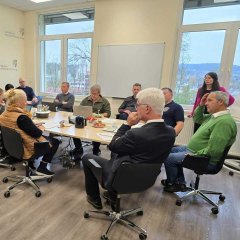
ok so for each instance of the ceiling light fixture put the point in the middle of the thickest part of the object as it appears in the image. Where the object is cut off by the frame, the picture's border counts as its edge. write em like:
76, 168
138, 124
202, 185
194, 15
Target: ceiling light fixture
74, 16
40, 1
224, 1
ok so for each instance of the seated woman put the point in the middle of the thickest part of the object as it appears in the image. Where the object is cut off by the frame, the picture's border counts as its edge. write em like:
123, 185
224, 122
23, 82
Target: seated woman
17, 117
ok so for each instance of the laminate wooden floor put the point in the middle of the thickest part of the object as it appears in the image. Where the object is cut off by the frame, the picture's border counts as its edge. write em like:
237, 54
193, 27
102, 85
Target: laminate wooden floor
58, 213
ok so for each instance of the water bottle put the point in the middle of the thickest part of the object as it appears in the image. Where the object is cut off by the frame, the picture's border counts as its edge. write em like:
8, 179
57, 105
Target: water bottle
39, 107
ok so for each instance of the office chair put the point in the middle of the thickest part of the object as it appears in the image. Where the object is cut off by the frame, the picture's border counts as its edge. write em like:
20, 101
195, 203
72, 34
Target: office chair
199, 164
232, 163
129, 178
13, 144
4, 157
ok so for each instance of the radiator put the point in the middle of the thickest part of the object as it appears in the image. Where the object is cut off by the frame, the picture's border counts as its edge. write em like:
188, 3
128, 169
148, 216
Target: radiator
187, 132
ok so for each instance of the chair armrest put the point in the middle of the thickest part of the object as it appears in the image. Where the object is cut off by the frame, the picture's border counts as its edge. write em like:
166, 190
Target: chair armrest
41, 148
96, 170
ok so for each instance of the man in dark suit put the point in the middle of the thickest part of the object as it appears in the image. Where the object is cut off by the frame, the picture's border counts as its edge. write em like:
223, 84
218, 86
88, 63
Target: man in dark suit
149, 144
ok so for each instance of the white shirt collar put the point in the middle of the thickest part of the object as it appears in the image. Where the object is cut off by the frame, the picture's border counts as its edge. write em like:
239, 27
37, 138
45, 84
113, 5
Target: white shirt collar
217, 114
155, 120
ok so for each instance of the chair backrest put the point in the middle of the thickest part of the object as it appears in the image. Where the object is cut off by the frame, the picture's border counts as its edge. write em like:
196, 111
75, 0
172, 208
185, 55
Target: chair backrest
12, 142
221, 162
199, 164
135, 177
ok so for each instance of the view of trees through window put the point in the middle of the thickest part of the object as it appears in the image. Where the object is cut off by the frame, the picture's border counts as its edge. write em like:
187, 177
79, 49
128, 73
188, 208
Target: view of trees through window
65, 53
208, 50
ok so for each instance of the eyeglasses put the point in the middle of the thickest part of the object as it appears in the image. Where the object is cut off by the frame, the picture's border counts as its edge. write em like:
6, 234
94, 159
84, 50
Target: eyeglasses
139, 104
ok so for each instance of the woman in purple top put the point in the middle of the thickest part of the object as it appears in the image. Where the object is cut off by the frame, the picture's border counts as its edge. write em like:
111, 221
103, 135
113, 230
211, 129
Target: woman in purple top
210, 84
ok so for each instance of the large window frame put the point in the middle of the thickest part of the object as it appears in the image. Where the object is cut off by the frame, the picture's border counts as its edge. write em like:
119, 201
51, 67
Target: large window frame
64, 57
228, 53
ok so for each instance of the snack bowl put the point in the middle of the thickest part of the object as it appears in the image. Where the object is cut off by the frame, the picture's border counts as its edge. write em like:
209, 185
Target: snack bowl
42, 114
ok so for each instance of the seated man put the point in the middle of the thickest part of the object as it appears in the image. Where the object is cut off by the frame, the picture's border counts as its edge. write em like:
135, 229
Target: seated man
99, 105
173, 113
17, 117
31, 97
149, 144
218, 130
8, 86
129, 104
65, 100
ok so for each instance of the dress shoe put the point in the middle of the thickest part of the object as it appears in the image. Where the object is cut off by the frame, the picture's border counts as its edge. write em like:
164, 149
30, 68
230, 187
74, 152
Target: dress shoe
44, 171
97, 203
175, 188
164, 182
76, 153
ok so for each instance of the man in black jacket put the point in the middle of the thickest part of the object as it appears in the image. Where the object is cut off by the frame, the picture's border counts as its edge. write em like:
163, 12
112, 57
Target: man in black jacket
129, 103
149, 144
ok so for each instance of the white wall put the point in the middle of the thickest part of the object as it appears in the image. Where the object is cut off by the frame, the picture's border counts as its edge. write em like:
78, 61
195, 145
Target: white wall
11, 45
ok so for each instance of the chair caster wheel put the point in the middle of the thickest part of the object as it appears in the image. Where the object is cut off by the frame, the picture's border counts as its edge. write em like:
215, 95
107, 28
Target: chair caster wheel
5, 180
231, 173
38, 194
13, 168
86, 215
179, 202
49, 180
104, 237
140, 213
214, 210
142, 236
222, 198
7, 194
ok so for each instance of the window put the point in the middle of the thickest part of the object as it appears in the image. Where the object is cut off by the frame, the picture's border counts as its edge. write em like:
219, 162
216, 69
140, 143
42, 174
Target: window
209, 42
235, 76
200, 53
65, 51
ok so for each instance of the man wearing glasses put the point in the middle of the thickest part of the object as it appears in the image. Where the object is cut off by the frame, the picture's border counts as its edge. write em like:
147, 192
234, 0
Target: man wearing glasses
150, 143
100, 105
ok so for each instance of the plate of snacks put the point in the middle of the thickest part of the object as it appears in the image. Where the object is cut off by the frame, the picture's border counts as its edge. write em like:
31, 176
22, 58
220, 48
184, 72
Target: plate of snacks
91, 119
99, 124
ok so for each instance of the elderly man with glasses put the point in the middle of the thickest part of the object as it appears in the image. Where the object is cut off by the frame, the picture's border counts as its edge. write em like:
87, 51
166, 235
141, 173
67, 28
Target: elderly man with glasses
150, 143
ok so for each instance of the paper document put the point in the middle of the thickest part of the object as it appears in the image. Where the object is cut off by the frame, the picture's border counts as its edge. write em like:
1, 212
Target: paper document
49, 125
106, 136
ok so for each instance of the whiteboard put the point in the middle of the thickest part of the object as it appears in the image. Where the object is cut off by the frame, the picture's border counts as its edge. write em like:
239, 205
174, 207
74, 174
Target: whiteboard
120, 66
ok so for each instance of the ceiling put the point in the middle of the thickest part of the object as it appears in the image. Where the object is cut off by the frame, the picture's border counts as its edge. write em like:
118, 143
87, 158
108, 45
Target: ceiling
27, 5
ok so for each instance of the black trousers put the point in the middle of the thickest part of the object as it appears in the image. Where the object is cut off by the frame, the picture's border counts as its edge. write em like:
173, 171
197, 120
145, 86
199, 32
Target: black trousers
91, 182
49, 156
78, 144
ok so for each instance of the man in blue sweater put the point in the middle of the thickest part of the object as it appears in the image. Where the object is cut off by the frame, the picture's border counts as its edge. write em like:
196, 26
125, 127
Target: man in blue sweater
218, 130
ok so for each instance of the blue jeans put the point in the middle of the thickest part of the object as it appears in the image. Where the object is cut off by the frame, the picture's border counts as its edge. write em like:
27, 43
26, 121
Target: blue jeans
173, 165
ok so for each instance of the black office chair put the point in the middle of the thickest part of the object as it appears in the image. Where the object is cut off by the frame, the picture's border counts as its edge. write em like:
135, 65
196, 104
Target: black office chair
199, 164
129, 178
232, 163
13, 144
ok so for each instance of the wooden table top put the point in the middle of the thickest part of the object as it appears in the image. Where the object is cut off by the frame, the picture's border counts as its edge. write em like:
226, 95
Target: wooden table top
103, 135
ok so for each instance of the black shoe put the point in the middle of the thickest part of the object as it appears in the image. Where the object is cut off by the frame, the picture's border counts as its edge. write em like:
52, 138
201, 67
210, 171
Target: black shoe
96, 152
76, 153
175, 188
97, 203
164, 182
112, 199
44, 171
